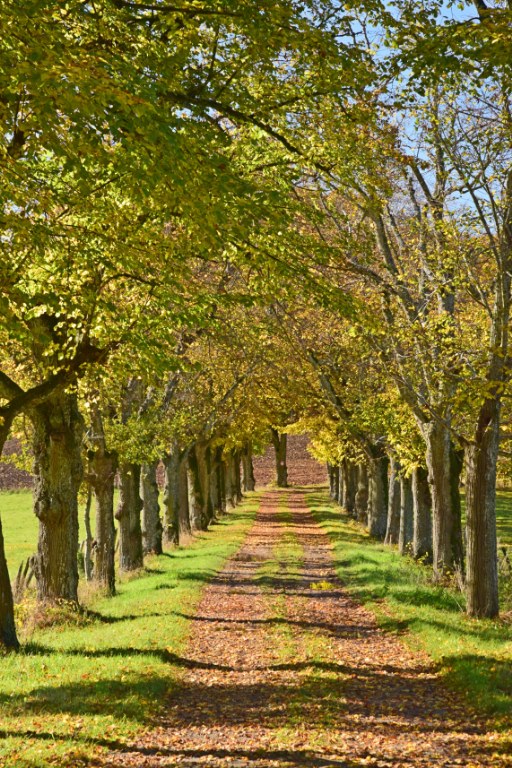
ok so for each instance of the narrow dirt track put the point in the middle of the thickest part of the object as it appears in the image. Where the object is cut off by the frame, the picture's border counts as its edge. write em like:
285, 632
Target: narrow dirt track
284, 669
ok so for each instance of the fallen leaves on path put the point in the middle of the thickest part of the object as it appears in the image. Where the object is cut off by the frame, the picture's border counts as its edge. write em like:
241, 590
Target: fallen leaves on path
285, 669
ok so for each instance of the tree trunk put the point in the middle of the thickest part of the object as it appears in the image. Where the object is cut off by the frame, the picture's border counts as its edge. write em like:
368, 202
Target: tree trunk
8, 637
422, 517
456, 465
151, 523
341, 485
482, 557
89, 541
229, 481
214, 489
406, 515
221, 480
128, 514
361, 503
204, 467
334, 481
102, 472
378, 496
348, 483
437, 438
195, 497
249, 482
279, 441
176, 512
58, 432
237, 476
393, 521
172, 463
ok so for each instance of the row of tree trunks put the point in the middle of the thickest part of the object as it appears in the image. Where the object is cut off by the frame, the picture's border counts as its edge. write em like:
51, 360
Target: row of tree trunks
200, 483
394, 507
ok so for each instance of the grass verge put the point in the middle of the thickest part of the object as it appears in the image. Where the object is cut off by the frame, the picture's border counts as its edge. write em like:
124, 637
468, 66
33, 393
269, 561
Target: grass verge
79, 689
475, 656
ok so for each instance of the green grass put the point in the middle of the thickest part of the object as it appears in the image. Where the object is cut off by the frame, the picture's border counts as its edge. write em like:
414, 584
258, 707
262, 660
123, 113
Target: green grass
90, 684
474, 655
504, 516
20, 525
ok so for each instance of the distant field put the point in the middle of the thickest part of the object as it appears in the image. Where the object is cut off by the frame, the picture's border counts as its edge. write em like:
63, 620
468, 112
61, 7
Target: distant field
504, 516
20, 524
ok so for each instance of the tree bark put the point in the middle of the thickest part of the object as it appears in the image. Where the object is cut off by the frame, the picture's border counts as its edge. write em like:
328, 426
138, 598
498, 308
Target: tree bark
361, 504
229, 481
482, 557
152, 528
221, 480
171, 464
341, 486
349, 488
102, 472
406, 515
89, 541
334, 481
8, 637
176, 512
249, 483
237, 476
378, 496
456, 465
58, 432
438, 456
279, 441
393, 521
195, 496
213, 477
128, 514
204, 465
422, 516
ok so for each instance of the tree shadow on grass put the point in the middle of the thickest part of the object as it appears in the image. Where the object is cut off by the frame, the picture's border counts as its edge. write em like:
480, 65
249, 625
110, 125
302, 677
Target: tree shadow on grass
106, 619
164, 655
256, 757
133, 699
327, 694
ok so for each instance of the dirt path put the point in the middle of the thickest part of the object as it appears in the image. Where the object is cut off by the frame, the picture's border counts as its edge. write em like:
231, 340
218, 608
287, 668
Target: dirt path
284, 669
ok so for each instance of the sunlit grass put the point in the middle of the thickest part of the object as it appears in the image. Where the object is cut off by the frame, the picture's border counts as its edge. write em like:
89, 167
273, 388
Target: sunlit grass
85, 686
476, 656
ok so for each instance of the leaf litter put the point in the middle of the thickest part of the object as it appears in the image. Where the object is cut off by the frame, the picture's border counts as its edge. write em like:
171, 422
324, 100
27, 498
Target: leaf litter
284, 669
